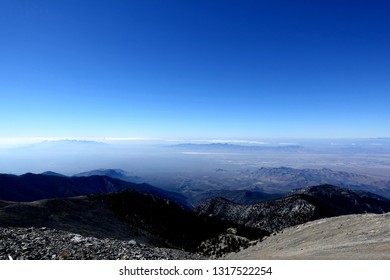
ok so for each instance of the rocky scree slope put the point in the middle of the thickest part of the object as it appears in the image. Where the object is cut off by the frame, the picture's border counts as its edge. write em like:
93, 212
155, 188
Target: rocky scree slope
50, 244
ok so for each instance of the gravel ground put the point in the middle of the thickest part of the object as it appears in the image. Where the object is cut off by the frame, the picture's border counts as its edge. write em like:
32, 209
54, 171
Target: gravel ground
49, 244
349, 237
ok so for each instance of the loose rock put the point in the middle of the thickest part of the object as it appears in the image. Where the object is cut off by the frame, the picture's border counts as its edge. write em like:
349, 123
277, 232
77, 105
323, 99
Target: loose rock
51, 244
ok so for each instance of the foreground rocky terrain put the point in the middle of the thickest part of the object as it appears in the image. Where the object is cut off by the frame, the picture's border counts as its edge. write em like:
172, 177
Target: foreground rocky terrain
351, 237
127, 215
129, 224
48, 244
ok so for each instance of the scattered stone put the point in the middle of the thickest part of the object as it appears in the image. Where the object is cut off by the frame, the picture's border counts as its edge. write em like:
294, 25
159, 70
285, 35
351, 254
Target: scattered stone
51, 244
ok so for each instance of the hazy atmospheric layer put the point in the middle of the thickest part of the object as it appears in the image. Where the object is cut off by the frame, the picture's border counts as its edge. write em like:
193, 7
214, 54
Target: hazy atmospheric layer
165, 162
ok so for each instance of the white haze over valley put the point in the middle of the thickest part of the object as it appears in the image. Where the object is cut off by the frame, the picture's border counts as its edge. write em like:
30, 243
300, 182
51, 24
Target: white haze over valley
143, 156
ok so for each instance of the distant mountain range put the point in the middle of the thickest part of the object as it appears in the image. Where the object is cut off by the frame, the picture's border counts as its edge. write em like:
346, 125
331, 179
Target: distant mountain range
62, 145
112, 173
254, 185
346, 146
226, 147
51, 173
284, 179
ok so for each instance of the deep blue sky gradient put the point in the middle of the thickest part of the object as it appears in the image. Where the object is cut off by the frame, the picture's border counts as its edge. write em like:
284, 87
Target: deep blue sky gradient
194, 69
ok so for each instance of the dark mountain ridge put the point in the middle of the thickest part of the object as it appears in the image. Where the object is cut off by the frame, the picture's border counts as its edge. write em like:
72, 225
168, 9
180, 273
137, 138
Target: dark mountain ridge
113, 173
195, 197
51, 173
31, 187
343, 201
301, 206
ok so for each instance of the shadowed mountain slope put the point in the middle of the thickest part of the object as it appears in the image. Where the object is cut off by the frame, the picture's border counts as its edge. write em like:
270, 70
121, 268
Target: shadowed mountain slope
31, 187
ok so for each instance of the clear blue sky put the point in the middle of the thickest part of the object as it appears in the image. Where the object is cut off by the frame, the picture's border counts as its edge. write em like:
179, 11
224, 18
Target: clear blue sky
194, 69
